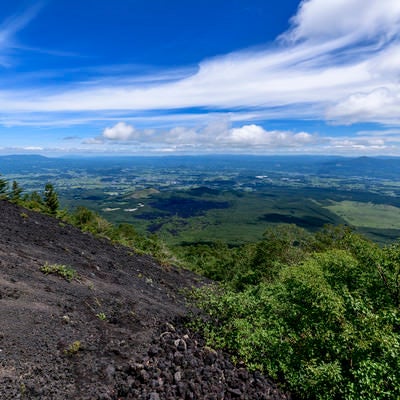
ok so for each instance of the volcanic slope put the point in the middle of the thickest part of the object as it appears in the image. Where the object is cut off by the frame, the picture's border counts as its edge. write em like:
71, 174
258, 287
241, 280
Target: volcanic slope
112, 331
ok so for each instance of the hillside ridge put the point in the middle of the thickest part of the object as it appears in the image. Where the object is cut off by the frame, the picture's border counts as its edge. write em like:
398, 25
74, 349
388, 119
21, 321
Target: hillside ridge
111, 330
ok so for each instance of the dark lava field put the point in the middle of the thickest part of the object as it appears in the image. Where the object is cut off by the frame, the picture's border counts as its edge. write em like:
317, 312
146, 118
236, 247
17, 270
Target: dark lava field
115, 330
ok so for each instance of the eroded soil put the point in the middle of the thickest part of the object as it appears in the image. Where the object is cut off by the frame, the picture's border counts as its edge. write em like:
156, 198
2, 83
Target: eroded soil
112, 332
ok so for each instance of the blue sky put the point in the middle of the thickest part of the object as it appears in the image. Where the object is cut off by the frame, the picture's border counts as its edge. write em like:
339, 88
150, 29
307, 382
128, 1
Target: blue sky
200, 76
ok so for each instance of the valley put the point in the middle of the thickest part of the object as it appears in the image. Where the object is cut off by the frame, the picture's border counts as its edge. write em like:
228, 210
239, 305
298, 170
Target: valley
231, 199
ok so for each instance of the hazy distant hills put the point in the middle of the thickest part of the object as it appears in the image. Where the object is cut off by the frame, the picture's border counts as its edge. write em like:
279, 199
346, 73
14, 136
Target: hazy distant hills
384, 168
17, 163
372, 167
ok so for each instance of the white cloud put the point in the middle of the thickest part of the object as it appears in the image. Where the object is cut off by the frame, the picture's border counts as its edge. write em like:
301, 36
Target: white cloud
219, 136
351, 144
339, 62
260, 141
120, 131
389, 133
385, 63
216, 135
321, 20
95, 140
254, 135
306, 77
10, 27
379, 104
332, 57
33, 148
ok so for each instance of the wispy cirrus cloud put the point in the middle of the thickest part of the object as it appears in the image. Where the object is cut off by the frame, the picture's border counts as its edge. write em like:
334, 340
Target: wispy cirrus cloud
337, 63
328, 58
9, 29
349, 20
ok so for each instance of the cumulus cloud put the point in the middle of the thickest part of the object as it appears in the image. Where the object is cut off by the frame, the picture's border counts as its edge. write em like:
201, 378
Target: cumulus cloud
254, 135
217, 135
187, 140
120, 131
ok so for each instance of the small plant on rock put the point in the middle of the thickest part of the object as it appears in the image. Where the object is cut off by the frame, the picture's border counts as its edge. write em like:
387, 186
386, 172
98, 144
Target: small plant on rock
101, 316
73, 348
64, 271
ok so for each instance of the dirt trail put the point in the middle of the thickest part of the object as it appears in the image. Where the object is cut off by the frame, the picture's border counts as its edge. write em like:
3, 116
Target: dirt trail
109, 333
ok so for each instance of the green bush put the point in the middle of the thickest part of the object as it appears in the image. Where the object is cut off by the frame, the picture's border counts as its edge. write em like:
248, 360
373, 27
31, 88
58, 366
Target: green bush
89, 221
326, 325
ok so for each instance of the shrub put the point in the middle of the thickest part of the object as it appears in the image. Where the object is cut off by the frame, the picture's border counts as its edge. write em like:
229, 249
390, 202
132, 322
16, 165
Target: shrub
326, 326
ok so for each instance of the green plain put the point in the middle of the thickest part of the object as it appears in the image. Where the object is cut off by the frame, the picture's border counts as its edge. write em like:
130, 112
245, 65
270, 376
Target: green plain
367, 215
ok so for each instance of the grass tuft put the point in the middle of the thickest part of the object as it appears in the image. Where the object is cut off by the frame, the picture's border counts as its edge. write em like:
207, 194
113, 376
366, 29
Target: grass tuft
64, 271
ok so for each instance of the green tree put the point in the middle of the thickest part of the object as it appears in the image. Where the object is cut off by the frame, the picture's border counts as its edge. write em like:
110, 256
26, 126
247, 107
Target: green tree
51, 199
15, 194
281, 245
3, 188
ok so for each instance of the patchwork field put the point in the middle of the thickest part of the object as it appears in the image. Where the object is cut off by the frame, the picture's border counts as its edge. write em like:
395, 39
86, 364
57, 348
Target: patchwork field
222, 198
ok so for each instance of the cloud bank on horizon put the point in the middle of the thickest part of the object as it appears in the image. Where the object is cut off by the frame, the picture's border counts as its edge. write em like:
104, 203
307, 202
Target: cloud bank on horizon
328, 84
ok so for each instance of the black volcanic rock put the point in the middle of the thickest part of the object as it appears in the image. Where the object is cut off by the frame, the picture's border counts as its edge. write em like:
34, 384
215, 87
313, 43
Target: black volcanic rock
112, 332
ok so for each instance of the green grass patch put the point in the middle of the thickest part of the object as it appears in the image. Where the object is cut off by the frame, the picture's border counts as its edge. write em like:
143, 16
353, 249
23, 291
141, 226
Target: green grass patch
367, 215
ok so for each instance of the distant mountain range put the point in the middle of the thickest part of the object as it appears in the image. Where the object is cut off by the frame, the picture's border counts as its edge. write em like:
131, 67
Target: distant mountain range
369, 167
385, 168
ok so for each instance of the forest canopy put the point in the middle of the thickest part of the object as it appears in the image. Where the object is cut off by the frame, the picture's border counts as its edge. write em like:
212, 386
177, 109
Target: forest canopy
319, 313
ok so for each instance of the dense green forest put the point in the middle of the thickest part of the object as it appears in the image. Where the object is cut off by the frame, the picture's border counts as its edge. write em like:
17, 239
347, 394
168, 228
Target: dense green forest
318, 312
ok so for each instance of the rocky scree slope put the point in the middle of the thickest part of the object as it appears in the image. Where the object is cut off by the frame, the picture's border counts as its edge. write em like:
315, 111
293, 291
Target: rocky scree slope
111, 332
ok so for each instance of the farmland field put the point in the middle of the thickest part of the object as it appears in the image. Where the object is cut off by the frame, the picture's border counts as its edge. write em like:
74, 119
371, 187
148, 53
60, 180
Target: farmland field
232, 199
358, 214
